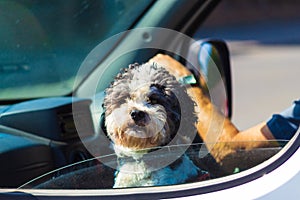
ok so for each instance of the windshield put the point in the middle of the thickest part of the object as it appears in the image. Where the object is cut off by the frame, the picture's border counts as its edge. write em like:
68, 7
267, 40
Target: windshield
43, 43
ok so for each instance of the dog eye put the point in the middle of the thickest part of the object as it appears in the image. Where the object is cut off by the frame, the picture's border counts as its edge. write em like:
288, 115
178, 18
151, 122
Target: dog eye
153, 99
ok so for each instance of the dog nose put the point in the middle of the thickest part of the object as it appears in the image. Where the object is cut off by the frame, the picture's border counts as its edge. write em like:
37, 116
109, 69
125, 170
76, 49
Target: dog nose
138, 116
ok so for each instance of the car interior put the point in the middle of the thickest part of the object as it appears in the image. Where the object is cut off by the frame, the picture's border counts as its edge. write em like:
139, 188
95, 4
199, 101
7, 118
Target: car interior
53, 143
52, 134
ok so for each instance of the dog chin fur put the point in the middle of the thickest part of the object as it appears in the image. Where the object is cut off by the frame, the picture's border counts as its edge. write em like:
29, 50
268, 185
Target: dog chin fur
142, 112
137, 174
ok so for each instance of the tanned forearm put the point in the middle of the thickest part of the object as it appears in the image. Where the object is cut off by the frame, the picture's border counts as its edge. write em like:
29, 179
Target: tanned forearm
254, 137
219, 134
212, 126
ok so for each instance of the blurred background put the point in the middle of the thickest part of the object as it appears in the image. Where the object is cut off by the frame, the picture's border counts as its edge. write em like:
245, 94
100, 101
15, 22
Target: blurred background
264, 42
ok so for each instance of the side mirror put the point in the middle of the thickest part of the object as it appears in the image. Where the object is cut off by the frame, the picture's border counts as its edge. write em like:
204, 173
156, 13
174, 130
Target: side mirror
209, 60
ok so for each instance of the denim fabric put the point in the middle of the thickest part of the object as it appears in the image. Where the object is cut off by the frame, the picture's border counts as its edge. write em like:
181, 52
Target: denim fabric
284, 125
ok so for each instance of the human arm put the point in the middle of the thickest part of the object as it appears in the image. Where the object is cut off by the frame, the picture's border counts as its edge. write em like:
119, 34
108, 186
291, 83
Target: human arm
214, 129
280, 126
218, 132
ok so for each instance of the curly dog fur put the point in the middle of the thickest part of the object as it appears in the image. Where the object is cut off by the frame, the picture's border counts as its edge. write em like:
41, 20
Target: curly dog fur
145, 108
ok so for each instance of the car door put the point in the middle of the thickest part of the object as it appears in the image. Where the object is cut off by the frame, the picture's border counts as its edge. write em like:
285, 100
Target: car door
165, 27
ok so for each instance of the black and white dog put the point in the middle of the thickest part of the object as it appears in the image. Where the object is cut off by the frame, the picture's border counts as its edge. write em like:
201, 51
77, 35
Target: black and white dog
145, 108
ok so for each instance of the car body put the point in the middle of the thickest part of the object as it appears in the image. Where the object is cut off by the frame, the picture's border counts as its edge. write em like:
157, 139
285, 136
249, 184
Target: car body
53, 77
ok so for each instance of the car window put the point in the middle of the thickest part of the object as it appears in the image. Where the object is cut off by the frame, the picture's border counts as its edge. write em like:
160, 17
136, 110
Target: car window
99, 172
63, 142
43, 43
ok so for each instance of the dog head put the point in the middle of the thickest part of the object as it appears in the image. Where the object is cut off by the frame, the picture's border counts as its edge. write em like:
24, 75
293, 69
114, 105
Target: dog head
142, 107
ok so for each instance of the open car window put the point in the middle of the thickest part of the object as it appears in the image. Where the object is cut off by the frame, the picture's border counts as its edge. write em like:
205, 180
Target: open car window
99, 172
54, 143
